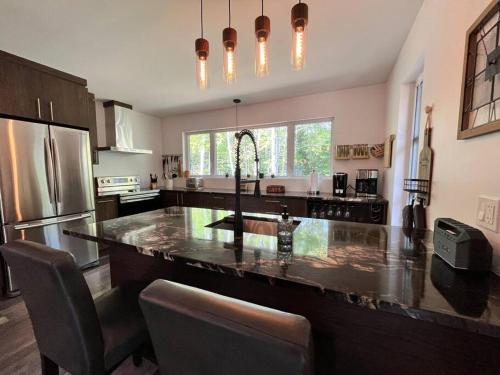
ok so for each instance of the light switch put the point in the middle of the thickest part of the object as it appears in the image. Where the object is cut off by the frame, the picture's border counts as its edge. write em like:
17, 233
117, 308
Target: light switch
487, 212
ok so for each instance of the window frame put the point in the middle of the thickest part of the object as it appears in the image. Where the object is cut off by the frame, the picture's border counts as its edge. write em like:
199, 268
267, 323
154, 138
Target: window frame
415, 128
290, 125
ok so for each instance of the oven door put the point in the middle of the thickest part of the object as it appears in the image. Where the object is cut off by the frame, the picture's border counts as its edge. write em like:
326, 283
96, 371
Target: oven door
138, 205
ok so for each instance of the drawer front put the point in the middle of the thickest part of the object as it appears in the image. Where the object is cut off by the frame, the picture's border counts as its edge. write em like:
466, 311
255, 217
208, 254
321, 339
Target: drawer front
221, 202
193, 199
106, 208
169, 198
297, 206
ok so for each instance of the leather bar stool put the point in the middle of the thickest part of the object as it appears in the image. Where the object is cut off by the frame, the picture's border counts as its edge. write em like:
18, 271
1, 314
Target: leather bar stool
199, 332
72, 331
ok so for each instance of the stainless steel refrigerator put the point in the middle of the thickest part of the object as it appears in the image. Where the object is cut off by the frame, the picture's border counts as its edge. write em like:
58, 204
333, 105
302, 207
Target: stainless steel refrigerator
45, 186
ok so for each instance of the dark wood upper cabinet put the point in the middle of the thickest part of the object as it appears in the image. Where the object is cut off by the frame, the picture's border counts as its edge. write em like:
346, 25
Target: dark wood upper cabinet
36, 92
20, 90
64, 102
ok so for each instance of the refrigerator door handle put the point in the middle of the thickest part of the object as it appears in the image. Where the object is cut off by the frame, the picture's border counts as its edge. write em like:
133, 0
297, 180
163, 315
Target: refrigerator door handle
41, 223
57, 168
49, 169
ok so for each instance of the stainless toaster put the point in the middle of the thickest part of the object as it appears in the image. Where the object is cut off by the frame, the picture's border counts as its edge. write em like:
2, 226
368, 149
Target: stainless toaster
194, 183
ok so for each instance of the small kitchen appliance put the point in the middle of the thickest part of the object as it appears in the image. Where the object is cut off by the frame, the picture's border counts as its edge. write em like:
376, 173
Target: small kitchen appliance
194, 183
461, 246
340, 184
366, 183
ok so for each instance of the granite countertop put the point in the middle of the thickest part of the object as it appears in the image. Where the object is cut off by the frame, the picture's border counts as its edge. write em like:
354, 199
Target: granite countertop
287, 194
373, 266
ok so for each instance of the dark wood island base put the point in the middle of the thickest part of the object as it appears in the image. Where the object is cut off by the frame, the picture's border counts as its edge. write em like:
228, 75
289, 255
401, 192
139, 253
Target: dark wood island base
379, 302
349, 339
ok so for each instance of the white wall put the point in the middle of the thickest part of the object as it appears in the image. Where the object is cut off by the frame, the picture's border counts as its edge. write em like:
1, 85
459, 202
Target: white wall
147, 135
359, 117
462, 169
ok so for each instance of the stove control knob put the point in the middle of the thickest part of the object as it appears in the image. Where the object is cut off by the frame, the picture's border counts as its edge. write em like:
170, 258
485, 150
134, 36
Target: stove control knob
108, 180
102, 180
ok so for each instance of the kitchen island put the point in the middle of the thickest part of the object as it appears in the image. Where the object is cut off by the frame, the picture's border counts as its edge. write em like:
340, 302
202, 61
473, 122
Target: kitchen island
378, 301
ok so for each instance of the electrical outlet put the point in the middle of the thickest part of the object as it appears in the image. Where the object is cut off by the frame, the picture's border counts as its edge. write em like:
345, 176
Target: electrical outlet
487, 212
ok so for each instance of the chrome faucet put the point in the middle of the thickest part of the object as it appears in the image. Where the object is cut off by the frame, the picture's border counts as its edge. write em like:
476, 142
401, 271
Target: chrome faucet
238, 217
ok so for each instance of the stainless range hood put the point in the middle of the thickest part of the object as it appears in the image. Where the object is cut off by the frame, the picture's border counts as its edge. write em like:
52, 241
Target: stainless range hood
119, 131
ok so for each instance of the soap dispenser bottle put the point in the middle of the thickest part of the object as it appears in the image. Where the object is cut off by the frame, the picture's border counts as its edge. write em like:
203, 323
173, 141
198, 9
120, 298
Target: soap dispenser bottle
285, 232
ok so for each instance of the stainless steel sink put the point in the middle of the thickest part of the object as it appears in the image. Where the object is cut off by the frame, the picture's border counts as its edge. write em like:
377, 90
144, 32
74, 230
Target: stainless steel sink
251, 224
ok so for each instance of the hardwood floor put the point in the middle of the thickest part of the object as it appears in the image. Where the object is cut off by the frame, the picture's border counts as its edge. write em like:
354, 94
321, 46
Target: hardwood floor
18, 349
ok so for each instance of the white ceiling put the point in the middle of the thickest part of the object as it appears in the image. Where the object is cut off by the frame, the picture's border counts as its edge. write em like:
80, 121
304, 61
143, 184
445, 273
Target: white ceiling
142, 52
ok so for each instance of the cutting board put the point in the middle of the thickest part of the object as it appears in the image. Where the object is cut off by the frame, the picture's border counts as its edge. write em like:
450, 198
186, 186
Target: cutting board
425, 158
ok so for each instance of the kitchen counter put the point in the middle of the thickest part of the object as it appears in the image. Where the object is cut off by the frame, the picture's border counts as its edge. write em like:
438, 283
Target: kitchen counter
287, 194
370, 266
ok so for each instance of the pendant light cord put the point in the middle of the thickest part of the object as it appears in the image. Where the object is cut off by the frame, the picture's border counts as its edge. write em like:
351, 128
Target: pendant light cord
262, 7
201, 17
229, 13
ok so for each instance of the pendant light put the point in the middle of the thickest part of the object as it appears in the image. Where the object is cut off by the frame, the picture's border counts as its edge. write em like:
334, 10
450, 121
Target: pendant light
229, 37
201, 48
236, 120
262, 33
299, 24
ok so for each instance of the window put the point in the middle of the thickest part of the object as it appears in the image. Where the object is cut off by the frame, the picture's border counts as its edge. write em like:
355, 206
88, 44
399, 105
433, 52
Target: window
415, 134
290, 149
271, 147
313, 143
199, 154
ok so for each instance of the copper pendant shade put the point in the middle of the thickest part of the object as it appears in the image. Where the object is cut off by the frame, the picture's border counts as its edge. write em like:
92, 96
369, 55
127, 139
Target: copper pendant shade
299, 22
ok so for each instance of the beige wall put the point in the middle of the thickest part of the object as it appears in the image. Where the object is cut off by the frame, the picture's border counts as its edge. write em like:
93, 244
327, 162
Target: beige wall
463, 170
359, 117
147, 135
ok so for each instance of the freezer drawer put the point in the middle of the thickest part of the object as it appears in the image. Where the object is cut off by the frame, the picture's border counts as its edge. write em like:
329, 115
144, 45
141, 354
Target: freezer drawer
50, 233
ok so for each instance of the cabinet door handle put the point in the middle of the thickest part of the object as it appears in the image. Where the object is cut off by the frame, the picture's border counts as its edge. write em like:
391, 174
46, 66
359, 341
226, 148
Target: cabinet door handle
51, 111
271, 201
39, 108
106, 201
221, 198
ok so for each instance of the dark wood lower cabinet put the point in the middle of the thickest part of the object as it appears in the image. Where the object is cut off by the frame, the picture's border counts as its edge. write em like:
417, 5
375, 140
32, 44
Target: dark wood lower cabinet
219, 201
106, 208
193, 199
362, 212
170, 198
348, 339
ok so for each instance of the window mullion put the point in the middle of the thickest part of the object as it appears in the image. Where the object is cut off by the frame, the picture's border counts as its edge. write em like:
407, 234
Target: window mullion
290, 149
213, 154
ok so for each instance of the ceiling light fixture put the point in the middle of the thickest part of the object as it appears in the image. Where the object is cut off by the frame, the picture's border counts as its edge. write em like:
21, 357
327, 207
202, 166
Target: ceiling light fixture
201, 48
262, 33
229, 37
299, 23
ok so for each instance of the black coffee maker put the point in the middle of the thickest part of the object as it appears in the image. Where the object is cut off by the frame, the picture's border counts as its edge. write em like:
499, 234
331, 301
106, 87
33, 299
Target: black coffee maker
340, 184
